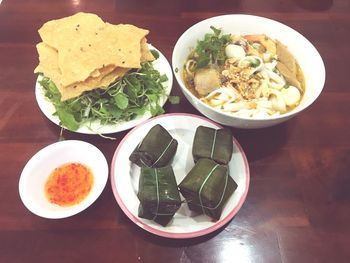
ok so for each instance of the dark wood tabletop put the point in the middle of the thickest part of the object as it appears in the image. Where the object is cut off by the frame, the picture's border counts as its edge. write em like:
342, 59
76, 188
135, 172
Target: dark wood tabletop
298, 205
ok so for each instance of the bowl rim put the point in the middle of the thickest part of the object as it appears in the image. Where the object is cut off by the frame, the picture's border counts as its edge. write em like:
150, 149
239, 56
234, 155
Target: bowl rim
287, 115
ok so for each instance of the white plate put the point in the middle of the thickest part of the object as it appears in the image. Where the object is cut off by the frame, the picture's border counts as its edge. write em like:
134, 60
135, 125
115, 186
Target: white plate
161, 64
125, 177
37, 170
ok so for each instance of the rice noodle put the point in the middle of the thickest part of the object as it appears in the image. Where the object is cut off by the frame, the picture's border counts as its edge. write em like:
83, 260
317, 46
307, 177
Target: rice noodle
251, 84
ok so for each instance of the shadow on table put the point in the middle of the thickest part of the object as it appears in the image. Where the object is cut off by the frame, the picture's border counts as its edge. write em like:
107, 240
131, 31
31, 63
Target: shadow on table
259, 143
178, 242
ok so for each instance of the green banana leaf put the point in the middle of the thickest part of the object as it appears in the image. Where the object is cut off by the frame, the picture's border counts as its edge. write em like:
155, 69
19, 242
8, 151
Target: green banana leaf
212, 144
207, 187
158, 194
157, 149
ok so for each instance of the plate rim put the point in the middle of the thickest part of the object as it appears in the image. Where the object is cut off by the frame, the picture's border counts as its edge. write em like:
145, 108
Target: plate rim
146, 116
181, 235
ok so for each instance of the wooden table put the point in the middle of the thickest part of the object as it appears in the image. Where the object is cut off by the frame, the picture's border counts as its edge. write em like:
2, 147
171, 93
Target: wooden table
298, 205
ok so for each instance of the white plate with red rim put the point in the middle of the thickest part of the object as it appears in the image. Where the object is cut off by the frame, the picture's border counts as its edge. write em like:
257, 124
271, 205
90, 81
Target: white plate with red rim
185, 224
161, 64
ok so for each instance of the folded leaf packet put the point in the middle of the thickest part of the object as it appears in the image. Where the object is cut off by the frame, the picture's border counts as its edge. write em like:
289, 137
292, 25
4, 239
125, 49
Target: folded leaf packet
207, 187
215, 144
158, 194
157, 149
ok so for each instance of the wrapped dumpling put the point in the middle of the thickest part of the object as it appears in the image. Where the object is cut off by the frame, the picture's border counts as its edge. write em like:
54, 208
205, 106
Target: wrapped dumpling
157, 149
215, 144
207, 187
158, 194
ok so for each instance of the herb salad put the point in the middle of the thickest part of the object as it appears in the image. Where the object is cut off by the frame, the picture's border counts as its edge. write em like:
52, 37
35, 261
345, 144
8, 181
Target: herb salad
137, 92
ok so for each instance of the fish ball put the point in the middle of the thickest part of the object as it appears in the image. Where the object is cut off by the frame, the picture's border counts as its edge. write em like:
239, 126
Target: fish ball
234, 51
291, 95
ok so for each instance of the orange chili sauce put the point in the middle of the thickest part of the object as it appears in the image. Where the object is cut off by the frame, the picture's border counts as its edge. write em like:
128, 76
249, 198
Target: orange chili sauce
69, 184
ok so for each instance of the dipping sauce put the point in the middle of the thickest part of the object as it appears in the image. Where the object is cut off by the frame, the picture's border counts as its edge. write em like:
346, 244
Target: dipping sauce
69, 184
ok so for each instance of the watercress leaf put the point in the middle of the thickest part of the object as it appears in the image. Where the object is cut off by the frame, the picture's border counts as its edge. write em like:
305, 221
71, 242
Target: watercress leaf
153, 98
163, 78
103, 111
155, 53
137, 111
121, 101
135, 83
212, 48
216, 31
50, 89
114, 111
131, 91
67, 119
75, 105
202, 62
156, 110
174, 99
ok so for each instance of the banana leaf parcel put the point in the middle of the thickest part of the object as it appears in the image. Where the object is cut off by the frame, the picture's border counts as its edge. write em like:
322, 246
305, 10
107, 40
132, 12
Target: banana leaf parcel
158, 194
215, 144
207, 187
157, 149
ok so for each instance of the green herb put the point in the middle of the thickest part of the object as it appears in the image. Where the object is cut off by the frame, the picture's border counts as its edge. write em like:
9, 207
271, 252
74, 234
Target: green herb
67, 118
255, 63
155, 53
211, 49
174, 99
121, 100
61, 137
134, 94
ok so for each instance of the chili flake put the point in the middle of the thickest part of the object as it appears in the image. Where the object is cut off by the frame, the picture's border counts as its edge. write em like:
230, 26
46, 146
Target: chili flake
69, 184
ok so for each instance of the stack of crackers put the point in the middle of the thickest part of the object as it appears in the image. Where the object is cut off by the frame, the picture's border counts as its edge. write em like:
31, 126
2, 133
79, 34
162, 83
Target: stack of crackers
81, 52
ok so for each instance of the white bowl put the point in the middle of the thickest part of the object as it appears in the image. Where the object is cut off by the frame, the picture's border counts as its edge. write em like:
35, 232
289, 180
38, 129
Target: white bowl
305, 53
36, 171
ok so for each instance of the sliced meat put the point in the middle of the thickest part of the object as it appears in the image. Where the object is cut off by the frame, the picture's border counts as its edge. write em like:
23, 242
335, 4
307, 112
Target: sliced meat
206, 80
288, 75
285, 57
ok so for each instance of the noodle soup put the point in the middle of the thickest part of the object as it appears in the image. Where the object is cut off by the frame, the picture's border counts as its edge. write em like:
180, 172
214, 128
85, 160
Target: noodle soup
244, 75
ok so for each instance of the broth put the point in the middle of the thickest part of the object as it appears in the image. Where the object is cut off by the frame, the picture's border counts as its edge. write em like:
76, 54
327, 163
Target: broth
256, 76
